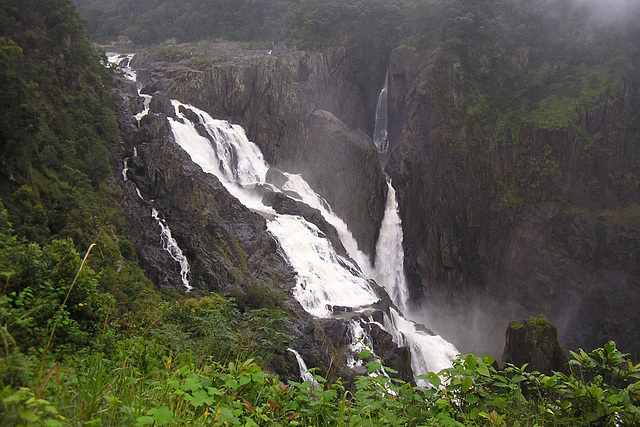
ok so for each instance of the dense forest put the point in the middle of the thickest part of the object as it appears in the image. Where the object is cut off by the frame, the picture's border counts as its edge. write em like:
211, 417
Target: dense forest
87, 339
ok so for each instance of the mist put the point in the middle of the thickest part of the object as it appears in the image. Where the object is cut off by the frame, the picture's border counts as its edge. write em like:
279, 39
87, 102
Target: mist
608, 11
477, 324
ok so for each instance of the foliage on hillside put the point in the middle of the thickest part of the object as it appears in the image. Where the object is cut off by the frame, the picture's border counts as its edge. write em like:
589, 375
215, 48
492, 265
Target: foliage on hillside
305, 23
550, 67
71, 283
142, 383
57, 120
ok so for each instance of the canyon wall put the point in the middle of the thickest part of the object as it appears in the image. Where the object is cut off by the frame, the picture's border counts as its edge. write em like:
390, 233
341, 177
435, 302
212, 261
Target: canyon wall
302, 112
563, 241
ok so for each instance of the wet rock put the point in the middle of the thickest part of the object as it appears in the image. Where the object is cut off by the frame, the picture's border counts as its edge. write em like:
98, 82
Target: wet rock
288, 113
227, 246
160, 103
535, 342
552, 249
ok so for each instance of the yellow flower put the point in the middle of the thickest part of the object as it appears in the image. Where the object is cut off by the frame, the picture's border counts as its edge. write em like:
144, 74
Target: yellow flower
206, 414
169, 363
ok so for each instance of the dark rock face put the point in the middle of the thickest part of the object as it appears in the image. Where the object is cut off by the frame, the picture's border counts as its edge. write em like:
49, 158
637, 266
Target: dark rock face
283, 103
464, 241
534, 341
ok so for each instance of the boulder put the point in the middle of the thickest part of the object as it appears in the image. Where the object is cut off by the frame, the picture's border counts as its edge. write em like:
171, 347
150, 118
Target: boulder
534, 341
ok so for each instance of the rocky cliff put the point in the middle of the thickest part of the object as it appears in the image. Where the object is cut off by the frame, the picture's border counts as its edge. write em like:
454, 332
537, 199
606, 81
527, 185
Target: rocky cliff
537, 221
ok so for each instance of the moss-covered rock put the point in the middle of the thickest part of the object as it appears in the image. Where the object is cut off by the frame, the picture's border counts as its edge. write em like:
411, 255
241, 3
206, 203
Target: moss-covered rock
534, 341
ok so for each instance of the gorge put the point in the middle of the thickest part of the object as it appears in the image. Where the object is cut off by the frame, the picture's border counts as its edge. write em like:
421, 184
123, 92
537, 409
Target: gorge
473, 255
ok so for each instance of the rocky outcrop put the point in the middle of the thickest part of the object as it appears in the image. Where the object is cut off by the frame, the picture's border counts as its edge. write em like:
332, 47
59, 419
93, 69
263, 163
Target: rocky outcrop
468, 235
534, 342
284, 104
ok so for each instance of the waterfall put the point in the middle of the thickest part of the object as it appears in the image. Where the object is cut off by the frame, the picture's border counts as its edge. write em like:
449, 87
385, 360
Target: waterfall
380, 137
305, 375
171, 246
168, 242
325, 281
389, 262
429, 353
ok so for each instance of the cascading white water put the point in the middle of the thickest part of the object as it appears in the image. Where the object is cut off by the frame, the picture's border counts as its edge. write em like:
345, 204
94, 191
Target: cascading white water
380, 137
168, 242
324, 279
305, 375
389, 262
429, 353
170, 245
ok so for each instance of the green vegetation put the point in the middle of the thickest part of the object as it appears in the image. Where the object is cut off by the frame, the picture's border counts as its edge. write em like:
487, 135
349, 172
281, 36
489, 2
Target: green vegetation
142, 383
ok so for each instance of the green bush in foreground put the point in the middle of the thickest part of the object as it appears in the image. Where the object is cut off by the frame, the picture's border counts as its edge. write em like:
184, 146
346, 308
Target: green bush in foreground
142, 384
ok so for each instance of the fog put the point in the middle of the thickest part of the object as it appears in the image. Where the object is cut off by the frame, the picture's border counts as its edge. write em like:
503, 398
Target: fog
607, 11
478, 323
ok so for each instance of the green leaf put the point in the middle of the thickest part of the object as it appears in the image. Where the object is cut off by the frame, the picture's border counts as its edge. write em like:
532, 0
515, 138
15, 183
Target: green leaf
467, 383
500, 403
517, 378
610, 347
435, 380
227, 414
471, 361
161, 415
364, 354
200, 398
191, 383
373, 367
329, 395
472, 399
259, 377
144, 421
483, 370
488, 359
231, 383
214, 391
244, 379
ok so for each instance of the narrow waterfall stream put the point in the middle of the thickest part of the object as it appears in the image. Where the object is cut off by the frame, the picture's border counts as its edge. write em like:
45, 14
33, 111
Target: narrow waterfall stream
389, 262
380, 135
169, 244
325, 280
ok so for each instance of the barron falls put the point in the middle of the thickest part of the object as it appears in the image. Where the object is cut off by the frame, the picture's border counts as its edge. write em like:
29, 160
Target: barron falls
340, 288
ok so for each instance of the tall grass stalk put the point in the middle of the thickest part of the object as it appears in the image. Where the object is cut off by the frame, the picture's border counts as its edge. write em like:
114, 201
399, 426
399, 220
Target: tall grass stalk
40, 387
